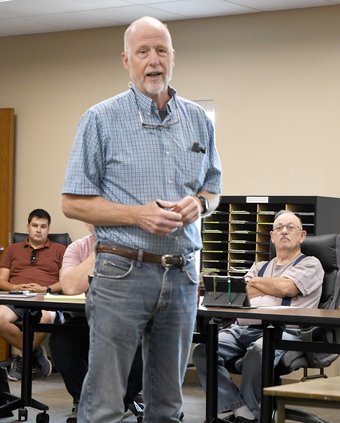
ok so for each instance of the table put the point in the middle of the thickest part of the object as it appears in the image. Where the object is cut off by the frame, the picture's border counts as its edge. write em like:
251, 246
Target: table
272, 319
314, 393
31, 305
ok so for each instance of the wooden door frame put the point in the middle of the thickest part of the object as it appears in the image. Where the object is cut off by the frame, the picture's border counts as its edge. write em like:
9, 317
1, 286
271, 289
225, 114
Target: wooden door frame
6, 174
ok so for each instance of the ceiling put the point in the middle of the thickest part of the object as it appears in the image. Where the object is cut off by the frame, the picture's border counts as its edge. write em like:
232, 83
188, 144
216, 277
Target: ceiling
18, 17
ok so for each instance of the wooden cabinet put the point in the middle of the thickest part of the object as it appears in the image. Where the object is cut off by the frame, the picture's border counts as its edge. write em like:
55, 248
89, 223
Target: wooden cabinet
237, 233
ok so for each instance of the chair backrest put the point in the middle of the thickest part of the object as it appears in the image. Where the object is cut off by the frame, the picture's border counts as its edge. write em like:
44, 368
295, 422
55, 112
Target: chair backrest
327, 249
62, 238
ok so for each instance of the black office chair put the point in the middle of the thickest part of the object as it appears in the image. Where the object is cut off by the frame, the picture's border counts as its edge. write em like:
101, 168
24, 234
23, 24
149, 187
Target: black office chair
60, 238
327, 249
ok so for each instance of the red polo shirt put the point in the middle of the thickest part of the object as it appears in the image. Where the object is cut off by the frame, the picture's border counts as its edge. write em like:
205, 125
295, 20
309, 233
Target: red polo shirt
45, 270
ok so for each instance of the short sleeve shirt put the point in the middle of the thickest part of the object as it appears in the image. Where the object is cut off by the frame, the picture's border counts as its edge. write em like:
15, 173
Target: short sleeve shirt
45, 271
114, 156
307, 275
78, 251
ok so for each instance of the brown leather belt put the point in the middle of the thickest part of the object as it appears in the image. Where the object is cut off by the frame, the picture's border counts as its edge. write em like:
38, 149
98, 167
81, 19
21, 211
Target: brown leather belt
166, 260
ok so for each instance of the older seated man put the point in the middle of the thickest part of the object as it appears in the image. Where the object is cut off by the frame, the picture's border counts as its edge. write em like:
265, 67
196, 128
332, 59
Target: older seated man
291, 278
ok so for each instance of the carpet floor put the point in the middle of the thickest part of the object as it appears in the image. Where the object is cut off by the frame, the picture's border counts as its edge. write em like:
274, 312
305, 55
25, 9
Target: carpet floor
51, 391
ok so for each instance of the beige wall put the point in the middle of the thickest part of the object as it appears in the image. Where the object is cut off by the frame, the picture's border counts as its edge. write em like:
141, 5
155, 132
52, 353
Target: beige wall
274, 79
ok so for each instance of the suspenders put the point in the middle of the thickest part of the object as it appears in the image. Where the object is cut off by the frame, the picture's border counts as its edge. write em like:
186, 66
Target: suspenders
286, 300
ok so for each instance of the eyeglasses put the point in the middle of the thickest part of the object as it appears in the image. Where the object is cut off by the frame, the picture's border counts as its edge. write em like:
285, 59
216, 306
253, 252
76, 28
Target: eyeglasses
289, 226
161, 125
34, 256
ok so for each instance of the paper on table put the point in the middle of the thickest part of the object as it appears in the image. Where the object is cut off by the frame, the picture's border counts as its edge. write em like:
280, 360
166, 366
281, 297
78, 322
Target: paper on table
62, 297
24, 294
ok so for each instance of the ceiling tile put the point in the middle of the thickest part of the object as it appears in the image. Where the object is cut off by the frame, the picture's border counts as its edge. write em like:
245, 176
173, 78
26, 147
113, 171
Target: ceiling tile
36, 16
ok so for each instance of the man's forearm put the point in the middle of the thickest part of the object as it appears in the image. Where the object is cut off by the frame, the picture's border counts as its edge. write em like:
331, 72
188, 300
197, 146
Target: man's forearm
6, 285
214, 200
74, 279
97, 210
277, 287
55, 287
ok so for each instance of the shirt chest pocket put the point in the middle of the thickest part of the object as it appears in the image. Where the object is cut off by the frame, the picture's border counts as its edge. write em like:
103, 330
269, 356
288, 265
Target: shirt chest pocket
191, 168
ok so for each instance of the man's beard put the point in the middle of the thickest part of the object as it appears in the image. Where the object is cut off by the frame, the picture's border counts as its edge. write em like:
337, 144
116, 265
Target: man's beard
155, 89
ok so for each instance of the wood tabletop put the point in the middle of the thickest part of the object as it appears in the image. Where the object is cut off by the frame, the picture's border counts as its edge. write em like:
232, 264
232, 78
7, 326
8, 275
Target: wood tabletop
289, 315
327, 389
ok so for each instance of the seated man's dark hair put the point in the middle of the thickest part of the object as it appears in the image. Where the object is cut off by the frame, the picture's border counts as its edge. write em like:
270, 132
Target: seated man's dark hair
40, 214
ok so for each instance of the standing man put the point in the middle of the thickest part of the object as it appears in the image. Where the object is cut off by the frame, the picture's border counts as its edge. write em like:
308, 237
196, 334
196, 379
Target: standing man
143, 169
30, 265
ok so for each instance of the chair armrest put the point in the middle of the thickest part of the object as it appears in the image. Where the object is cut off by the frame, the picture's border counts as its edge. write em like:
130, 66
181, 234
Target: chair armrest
317, 334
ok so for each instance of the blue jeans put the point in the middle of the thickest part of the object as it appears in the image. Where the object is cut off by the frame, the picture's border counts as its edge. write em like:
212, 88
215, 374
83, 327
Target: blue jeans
239, 341
127, 302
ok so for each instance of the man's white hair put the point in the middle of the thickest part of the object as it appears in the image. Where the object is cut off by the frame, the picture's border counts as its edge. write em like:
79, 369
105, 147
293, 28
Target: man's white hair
145, 19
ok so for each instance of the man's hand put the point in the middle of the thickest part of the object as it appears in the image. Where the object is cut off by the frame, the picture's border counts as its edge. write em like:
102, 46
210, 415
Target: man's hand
19, 287
252, 291
35, 287
189, 208
158, 217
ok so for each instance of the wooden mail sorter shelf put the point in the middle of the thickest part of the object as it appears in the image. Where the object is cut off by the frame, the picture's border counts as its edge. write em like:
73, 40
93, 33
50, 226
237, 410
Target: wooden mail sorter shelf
238, 232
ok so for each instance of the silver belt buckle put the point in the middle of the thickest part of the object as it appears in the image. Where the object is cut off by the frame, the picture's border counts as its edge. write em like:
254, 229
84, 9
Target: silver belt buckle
164, 260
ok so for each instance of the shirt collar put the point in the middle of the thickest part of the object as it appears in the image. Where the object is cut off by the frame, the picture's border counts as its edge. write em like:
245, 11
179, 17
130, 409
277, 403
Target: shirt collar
46, 245
148, 104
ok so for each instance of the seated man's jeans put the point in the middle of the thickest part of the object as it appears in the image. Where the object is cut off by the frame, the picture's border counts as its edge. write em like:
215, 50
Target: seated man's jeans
233, 342
70, 348
128, 302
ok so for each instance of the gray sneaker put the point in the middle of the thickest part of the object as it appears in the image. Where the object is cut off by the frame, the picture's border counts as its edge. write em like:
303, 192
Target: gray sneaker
15, 372
41, 362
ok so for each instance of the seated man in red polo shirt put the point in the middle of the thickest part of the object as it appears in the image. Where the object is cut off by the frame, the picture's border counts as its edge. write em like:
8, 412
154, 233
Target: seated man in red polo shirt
31, 265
